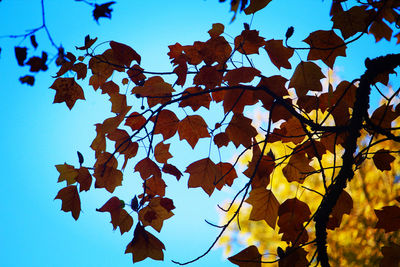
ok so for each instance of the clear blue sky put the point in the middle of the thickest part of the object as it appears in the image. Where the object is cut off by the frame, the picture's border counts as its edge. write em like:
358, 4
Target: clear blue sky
36, 135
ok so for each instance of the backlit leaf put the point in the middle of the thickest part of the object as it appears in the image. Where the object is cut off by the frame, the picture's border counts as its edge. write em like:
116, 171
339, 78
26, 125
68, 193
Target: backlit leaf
192, 128
248, 257
265, 206
68, 91
70, 200
203, 173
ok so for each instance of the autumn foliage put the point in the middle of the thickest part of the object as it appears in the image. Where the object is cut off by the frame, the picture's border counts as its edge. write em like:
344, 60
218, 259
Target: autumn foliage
315, 139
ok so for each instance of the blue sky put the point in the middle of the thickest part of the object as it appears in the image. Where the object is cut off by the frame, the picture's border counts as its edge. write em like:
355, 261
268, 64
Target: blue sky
36, 134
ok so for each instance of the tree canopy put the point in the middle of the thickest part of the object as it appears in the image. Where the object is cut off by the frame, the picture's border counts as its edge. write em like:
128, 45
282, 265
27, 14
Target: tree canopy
317, 174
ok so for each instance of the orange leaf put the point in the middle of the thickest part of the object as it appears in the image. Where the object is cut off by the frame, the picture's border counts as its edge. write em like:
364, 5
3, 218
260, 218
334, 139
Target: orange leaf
240, 130
217, 30
192, 128
118, 102
292, 214
119, 217
106, 173
84, 179
171, 169
248, 42
167, 123
195, 101
265, 206
382, 159
158, 214
161, 152
70, 200
124, 54
136, 75
306, 77
146, 167
326, 46
155, 89
388, 218
102, 67
248, 257
154, 186
67, 173
344, 205
99, 142
228, 174
241, 75
109, 88
203, 173
298, 168
68, 91
135, 121
279, 54
144, 245
208, 76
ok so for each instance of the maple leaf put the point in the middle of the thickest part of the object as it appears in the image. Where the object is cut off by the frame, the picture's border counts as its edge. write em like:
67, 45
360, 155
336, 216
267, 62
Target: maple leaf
146, 167
248, 42
298, 168
216, 49
326, 46
276, 84
167, 123
344, 205
171, 169
67, 173
102, 10
241, 75
118, 102
37, 63
119, 217
278, 54
306, 77
294, 130
144, 245
68, 91
221, 139
240, 130
235, 100
203, 173
135, 121
294, 256
195, 101
380, 30
383, 116
248, 257
382, 159
154, 186
161, 152
106, 173
136, 75
208, 76
292, 214
88, 43
155, 90
192, 128
84, 179
388, 218
265, 206
123, 144
80, 69
228, 174
217, 30
351, 21
124, 53
70, 200
158, 213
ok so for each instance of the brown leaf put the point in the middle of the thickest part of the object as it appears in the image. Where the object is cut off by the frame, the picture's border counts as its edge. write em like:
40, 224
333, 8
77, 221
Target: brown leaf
203, 173
67, 173
298, 168
351, 21
155, 90
279, 54
88, 43
241, 75
240, 130
391, 255
388, 218
195, 101
124, 54
382, 159
84, 179
265, 206
167, 123
144, 245
249, 42
248, 257
208, 76
306, 77
326, 46
70, 200
119, 217
344, 205
192, 128
221, 139
171, 169
160, 213
161, 152
147, 168
256, 5
217, 30
68, 91
380, 30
